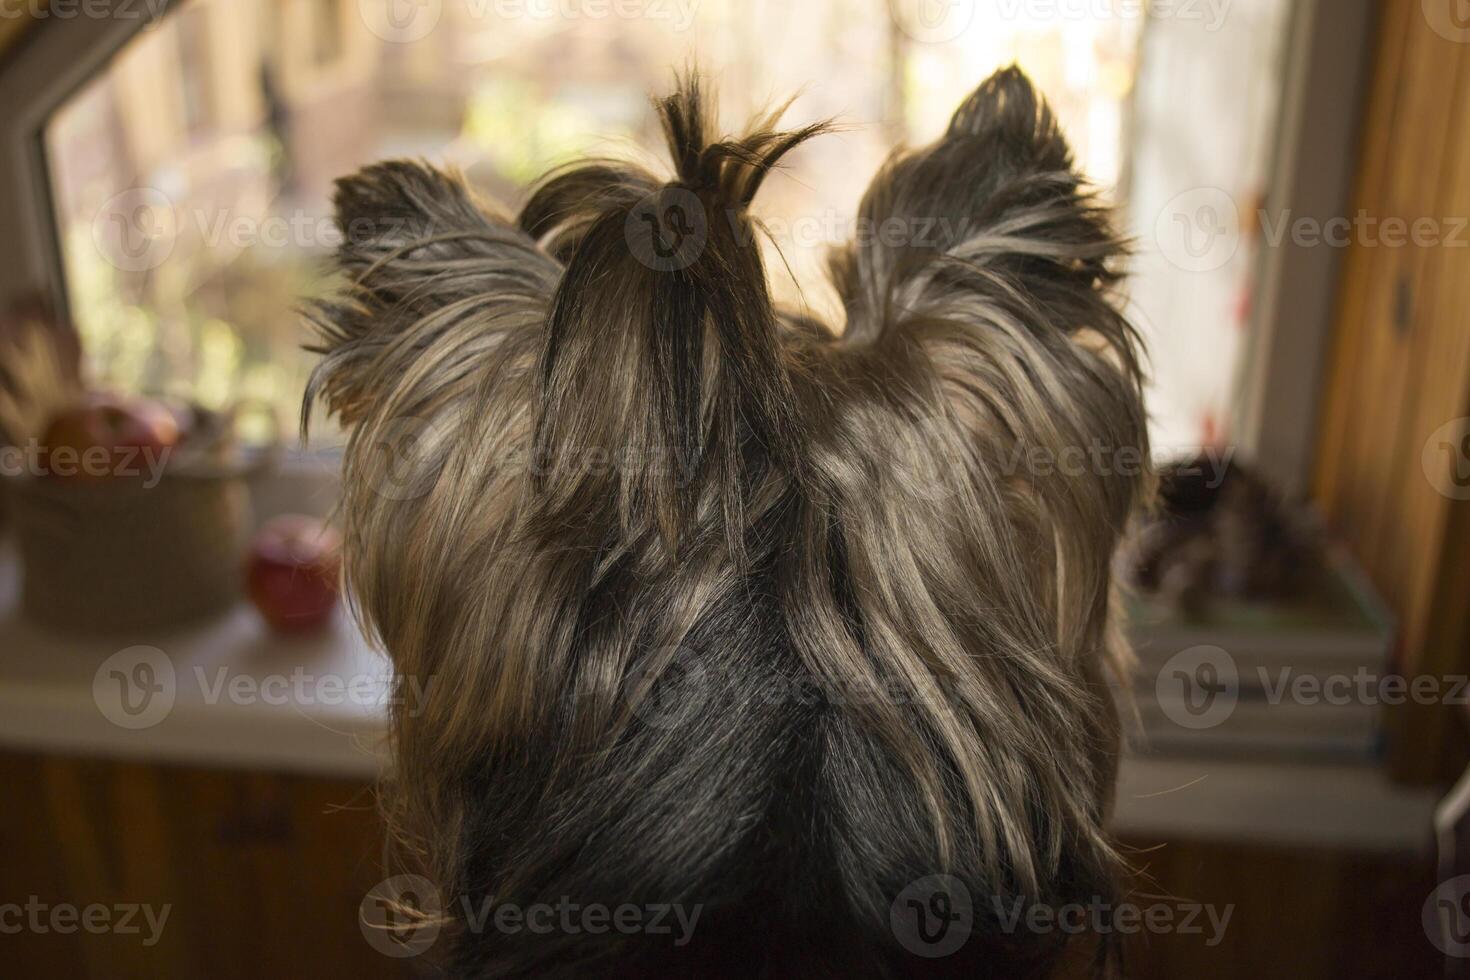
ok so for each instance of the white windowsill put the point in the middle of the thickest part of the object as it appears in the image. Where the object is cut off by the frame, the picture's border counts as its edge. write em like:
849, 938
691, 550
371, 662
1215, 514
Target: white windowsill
47, 705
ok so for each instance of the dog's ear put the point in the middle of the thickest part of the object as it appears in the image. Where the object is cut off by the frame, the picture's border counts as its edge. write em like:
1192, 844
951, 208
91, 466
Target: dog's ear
427, 360
998, 368
425, 262
1003, 281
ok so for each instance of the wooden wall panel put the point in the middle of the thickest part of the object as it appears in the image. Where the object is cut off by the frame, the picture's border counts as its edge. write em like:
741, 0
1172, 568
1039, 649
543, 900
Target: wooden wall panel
1400, 369
264, 873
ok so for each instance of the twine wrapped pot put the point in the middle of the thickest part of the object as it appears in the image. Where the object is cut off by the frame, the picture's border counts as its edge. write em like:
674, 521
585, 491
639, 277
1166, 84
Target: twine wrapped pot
109, 555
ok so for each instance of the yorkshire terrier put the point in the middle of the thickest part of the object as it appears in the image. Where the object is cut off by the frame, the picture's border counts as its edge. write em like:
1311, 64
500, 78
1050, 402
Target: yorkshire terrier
706, 604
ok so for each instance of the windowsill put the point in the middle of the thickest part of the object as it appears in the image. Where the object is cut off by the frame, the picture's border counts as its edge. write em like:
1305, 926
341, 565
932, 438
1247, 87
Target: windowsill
237, 700
336, 728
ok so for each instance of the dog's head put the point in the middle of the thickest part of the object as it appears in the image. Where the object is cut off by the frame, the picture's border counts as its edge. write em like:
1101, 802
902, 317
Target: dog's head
594, 473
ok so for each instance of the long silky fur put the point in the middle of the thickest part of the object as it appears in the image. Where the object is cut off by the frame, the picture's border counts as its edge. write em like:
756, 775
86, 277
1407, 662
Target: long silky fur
612, 484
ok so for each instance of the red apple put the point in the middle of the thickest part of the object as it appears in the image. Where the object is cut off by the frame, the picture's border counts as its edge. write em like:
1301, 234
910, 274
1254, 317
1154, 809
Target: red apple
292, 573
108, 435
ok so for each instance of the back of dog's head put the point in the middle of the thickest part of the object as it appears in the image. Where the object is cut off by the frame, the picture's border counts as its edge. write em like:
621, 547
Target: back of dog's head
799, 635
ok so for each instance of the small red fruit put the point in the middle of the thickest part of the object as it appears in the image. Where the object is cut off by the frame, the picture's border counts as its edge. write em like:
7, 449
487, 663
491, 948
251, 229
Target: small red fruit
292, 573
108, 435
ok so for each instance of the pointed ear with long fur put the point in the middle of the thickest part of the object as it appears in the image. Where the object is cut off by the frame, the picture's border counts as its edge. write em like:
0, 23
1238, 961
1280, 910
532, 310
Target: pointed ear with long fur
428, 357
1004, 282
431, 275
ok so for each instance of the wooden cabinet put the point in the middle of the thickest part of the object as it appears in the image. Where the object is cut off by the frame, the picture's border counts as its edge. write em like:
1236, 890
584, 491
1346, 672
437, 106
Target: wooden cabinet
262, 875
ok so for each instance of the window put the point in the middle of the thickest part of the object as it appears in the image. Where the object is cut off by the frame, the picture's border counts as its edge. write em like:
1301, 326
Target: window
326, 32
186, 247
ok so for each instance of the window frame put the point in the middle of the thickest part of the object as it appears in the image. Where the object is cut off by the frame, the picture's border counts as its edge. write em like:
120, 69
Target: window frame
49, 63
82, 45
1281, 372
1313, 167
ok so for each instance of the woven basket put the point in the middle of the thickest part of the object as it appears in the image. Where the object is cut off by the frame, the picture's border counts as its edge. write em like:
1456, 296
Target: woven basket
114, 555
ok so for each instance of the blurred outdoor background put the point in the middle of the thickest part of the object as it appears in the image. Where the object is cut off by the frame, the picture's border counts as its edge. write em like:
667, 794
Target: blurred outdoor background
1293, 174
192, 176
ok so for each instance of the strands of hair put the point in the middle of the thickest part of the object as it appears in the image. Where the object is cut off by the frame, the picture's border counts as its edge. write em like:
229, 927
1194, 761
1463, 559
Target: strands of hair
695, 602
